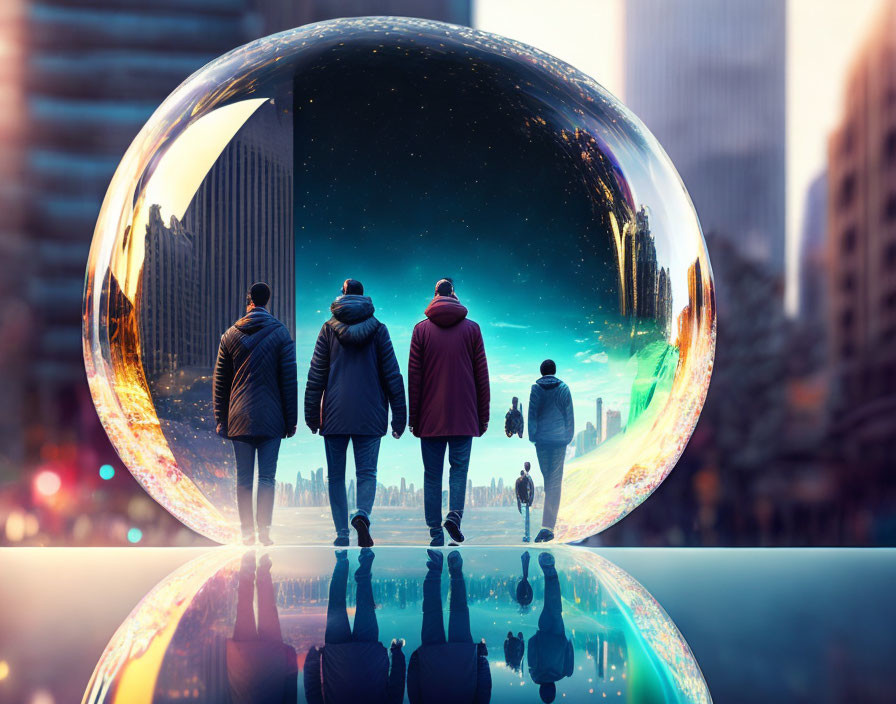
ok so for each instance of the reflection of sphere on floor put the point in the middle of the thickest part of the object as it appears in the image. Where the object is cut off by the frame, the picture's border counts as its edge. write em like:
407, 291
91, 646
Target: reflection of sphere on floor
383, 140
344, 616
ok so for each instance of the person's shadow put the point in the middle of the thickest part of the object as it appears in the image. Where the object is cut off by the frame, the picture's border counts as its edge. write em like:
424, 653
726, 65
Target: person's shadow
550, 651
261, 668
352, 665
524, 593
452, 669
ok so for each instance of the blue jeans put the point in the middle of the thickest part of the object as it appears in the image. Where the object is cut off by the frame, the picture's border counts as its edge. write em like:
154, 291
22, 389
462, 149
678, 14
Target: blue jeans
432, 631
338, 630
550, 461
366, 449
245, 448
433, 451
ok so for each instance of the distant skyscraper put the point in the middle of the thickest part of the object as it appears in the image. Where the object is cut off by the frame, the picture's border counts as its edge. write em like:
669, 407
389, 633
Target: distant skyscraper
708, 79
862, 254
614, 422
599, 420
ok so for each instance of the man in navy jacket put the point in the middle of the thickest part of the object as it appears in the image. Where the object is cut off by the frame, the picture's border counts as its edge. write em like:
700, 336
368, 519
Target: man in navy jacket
353, 379
256, 403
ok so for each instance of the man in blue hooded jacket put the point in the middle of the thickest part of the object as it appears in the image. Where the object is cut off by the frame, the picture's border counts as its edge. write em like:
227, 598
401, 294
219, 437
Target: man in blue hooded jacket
551, 428
352, 381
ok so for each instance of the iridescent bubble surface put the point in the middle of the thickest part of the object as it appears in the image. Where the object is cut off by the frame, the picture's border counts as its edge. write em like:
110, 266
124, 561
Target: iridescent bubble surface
397, 152
197, 635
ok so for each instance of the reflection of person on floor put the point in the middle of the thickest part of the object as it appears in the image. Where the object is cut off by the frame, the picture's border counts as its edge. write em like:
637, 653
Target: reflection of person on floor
550, 651
261, 668
453, 670
514, 649
524, 593
353, 666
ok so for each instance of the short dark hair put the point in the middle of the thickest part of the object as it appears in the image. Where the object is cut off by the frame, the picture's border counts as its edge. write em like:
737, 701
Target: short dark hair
259, 294
548, 367
445, 287
353, 287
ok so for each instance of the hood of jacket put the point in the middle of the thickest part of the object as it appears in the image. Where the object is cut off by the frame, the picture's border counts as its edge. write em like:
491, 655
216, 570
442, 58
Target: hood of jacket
353, 320
254, 325
445, 311
548, 382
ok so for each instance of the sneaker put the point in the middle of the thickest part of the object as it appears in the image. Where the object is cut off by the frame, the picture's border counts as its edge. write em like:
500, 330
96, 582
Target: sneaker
455, 561
341, 542
435, 560
365, 559
362, 525
545, 559
264, 536
545, 535
452, 525
437, 536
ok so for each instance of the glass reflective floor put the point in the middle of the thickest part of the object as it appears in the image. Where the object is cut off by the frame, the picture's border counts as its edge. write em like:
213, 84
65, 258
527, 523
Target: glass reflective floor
404, 624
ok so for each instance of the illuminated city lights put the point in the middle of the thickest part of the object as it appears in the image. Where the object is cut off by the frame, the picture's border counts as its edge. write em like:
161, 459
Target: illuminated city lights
47, 483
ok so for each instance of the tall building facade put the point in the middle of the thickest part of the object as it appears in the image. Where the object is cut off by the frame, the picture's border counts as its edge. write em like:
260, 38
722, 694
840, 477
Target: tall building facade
708, 79
599, 419
88, 74
862, 254
614, 422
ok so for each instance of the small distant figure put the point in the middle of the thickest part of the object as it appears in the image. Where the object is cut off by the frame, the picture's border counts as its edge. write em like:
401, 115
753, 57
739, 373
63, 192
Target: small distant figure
514, 650
524, 593
525, 496
513, 421
551, 428
256, 404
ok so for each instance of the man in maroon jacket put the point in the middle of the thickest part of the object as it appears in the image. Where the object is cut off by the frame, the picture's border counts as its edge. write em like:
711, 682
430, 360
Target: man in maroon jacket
448, 404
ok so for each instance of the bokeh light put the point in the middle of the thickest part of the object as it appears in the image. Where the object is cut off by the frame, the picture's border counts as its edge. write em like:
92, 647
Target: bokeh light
398, 151
107, 471
47, 482
135, 535
4, 670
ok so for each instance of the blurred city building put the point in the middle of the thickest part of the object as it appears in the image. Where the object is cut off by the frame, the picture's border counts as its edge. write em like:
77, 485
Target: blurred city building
708, 79
862, 269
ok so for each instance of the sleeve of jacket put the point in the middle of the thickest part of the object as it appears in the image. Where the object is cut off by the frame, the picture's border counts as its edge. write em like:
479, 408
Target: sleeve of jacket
415, 696
222, 381
311, 673
569, 415
483, 681
395, 688
480, 374
534, 399
318, 375
289, 384
415, 377
393, 380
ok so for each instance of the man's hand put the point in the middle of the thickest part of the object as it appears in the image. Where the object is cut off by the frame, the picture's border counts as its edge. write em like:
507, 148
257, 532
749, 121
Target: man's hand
291, 432
219, 429
482, 428
313, 428
397, 644
397, 433
414, 432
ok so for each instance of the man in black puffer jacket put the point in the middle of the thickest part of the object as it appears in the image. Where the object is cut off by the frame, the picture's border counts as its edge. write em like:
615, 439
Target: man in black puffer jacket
551, 428
353, 379
256, 403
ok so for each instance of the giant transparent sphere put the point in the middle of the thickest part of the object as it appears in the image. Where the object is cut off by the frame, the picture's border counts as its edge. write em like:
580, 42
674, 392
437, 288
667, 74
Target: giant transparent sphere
398, 152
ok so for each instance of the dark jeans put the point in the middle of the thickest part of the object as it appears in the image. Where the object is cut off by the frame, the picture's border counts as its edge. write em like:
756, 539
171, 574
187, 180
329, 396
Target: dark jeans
366, 449
245, 449
433, 450
244, 628
550, 461
433, 631
366, 629
551, 619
